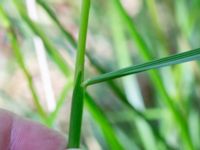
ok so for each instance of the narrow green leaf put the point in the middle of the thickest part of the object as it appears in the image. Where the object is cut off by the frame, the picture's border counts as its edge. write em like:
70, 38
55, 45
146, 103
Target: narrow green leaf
156, 64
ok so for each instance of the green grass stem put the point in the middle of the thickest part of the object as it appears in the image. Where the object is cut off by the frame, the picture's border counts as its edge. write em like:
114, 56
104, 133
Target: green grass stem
78, 93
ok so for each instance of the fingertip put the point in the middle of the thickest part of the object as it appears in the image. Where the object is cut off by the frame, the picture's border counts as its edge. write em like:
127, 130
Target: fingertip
31, 135
18, 133
5, 128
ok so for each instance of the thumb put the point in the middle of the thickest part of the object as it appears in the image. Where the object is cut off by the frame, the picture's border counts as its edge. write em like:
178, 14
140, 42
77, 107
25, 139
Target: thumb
17, 133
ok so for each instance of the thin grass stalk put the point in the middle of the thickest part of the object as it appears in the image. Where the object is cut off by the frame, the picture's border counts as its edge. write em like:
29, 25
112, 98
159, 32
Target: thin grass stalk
78, 93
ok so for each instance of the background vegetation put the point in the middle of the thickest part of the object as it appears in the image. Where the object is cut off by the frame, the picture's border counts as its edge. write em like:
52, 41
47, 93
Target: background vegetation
155, 110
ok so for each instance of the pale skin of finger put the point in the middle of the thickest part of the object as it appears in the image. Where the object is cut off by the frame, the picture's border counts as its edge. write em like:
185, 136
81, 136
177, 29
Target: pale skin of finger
17, 133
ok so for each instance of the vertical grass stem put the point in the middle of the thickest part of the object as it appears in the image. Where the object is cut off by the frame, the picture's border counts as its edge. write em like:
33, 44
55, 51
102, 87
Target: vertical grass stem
78, 93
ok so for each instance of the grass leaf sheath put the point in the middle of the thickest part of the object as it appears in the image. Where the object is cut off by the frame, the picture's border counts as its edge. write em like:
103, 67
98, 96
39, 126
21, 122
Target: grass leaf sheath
78, 93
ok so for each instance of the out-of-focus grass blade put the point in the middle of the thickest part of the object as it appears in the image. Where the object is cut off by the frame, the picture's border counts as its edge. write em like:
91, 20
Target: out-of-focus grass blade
146, 135
183, 18
194, 123
55, 19
16, 48
156, 64
18, 54
130, 84
102, 121
163, 46
152, 8
139, 41
155, 76
50, 48
123, 58
60, 102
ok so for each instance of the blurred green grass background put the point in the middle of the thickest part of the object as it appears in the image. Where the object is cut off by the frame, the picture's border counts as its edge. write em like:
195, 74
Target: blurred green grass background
153, 110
